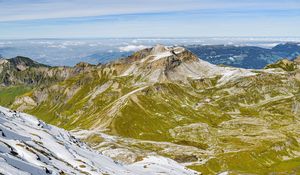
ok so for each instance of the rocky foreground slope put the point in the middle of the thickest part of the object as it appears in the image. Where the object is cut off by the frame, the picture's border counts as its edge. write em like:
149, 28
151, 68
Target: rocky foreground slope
167, 101
30, 146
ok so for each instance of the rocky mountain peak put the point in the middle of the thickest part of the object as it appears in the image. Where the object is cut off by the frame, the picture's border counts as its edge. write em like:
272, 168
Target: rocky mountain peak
3, 61
163, 55
83, 64
164, 63
159, 49
284, 64
290, 46
23, 63
158, 55
297, 60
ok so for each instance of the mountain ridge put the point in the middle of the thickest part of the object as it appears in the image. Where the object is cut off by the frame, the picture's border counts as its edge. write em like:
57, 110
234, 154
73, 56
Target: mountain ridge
210, 118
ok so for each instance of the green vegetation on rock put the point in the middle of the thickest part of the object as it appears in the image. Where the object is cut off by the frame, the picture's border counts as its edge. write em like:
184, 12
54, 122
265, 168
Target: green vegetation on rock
8, 94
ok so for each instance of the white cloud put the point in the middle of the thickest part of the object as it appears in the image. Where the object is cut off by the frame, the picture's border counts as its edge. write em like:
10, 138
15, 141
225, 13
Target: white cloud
133, 48
57, 46
73, 43
12, 10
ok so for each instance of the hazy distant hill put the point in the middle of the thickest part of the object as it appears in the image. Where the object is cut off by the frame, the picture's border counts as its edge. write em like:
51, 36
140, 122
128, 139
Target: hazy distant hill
245, 56
105, 57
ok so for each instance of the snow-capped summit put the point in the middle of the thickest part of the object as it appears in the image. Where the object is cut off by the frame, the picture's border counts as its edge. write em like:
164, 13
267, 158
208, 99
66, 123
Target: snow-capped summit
29, 146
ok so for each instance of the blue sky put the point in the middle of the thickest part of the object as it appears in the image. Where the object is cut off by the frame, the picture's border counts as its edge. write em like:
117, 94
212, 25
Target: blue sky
150, 18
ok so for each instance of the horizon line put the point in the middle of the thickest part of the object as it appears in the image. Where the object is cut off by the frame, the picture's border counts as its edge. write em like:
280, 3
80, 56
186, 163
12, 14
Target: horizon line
146, 37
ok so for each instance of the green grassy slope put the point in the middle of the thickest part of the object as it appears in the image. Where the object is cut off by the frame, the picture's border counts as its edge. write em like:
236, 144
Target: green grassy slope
9, 94
242, 126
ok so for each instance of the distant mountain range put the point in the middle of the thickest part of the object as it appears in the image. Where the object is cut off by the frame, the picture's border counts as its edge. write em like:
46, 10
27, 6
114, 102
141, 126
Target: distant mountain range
105, 57
250, 57
237, 52
245, 56
167, 101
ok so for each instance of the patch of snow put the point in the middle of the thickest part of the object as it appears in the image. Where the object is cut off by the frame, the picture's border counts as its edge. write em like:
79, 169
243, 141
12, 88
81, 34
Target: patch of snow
167, 166
7, 169
159, 52
231, 58
266, 45
230, 74
224, 173
161, 55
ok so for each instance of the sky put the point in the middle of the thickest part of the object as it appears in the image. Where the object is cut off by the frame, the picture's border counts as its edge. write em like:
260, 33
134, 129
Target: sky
21, 19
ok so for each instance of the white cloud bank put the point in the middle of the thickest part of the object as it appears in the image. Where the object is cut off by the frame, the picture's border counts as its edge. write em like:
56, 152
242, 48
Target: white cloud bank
132, 48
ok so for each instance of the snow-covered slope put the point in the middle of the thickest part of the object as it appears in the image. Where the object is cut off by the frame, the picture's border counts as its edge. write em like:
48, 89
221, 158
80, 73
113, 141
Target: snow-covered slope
29, 146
